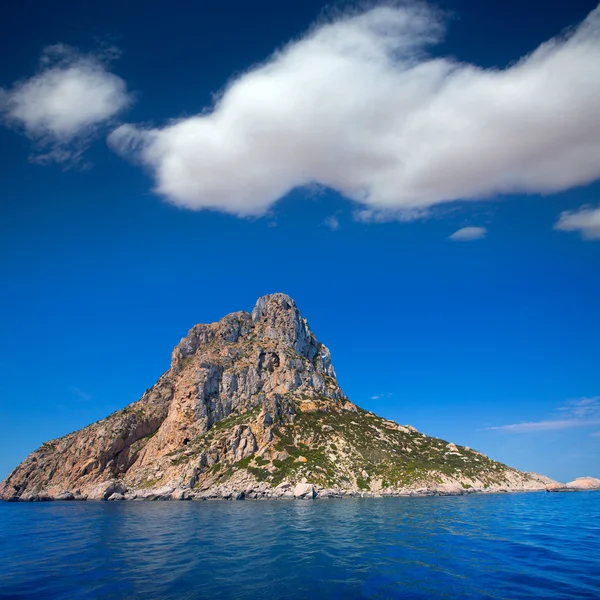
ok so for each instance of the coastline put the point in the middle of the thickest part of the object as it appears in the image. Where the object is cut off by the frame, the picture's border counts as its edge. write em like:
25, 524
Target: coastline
167, 494
114, 490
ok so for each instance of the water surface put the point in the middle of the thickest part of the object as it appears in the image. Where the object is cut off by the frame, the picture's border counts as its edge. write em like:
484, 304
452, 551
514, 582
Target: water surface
508, 546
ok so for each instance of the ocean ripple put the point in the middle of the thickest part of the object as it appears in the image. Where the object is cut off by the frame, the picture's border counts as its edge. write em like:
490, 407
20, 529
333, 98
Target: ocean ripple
506, 546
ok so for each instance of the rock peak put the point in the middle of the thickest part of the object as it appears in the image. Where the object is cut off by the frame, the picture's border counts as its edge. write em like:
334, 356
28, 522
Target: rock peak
273, 302
278, 318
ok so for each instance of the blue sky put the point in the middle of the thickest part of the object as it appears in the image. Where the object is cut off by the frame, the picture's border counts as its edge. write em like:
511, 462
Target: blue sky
489, 340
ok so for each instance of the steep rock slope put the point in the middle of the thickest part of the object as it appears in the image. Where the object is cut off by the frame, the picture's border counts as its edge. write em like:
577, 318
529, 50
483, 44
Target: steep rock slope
251, 407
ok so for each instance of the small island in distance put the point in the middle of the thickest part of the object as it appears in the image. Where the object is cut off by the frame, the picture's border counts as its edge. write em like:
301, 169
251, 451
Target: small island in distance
251, 408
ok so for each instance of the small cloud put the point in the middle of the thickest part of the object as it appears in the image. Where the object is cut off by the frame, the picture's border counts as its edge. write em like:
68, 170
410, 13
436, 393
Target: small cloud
584, 412
597, 434
332, 222
405, 215
62, 107
583, 408
468, 234
379, 396
543, 426
80, 395
585, 220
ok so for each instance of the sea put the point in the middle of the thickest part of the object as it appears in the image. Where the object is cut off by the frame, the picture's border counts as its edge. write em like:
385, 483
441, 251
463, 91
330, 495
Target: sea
510, 546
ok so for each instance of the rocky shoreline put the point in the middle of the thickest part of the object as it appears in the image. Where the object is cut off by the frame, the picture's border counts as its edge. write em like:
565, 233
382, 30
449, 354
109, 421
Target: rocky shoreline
113, 491
116, 490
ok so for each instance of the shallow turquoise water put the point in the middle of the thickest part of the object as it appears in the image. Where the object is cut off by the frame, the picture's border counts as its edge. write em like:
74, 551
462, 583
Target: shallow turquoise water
498, 546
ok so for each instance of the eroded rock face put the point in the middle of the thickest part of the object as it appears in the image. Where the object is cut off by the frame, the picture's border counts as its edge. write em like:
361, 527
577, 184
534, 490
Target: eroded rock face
251, 408
103, 451
115, 496
106, 489
305, 491
241, 362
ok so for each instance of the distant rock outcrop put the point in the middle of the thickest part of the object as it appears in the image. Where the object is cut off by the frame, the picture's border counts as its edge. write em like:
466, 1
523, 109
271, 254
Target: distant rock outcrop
577, 485
251, 408
584, 483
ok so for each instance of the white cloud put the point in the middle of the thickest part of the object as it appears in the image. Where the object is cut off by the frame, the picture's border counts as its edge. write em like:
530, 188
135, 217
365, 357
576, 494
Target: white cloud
584, 412
468, 234
61, 107
332, 222
585, 220
356, 105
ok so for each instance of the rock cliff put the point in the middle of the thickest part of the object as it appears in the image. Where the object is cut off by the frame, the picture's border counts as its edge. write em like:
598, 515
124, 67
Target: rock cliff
251, 407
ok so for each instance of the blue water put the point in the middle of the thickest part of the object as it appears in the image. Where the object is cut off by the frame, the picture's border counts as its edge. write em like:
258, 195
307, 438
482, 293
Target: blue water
498, 546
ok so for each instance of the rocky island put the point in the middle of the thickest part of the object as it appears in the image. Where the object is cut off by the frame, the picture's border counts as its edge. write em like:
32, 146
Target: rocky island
251, 408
